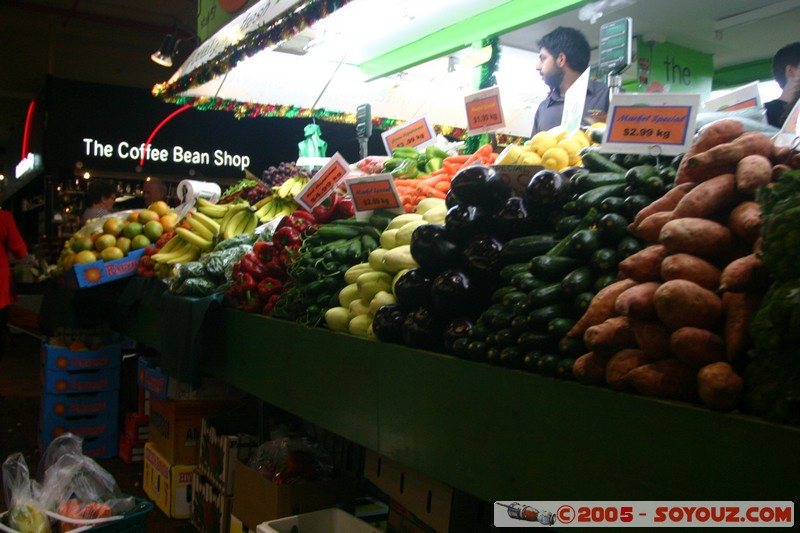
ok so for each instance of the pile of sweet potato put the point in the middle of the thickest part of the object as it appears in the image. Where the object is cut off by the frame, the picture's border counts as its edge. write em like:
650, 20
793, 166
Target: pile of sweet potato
676, 324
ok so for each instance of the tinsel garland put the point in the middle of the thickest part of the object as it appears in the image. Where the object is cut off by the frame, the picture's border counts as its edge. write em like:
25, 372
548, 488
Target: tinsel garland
486, 80
276, 31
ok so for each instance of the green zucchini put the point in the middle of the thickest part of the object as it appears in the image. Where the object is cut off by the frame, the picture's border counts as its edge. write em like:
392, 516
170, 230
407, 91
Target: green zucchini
510, 357
513, 299
597, 162
543, 315
519, 324
604, 260
504, 337
547, 364
479, 332
594, 197
476, 350
612, 204
596, 135
578, 281
530, 361
508, 271
586, 182
612, 227
571, 347
636, 202
460, 347
582, 301
627, 246
552, 268
558, 327
526, 282
566, 224
604, 281
531, 340
493, 355
547, 295
637, 175
583, 243
520, 249
564, 368
498, 294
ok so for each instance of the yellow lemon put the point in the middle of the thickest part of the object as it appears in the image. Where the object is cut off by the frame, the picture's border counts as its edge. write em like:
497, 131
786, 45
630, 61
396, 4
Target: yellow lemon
559, 132
541, 142
530, 158
510, 155
572, 147
555, 158
581, 137
597, 125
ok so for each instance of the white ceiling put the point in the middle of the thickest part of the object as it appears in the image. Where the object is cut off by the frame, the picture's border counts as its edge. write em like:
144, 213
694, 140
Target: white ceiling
109, 41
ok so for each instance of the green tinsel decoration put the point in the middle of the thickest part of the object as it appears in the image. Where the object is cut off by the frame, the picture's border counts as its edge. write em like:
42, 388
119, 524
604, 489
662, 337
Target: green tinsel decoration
486, 80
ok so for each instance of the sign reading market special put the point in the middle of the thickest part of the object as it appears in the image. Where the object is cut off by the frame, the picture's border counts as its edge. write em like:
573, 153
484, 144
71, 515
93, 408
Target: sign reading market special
125, 150
640, 123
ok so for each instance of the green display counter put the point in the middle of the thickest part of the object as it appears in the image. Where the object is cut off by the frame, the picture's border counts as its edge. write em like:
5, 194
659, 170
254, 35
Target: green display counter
492, 432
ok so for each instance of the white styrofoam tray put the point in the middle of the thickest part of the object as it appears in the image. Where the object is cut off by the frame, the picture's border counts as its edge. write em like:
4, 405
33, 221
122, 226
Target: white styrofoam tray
324, 521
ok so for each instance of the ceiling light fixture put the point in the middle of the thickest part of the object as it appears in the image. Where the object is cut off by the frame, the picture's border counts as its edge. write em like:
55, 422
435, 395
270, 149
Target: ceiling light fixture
163, 56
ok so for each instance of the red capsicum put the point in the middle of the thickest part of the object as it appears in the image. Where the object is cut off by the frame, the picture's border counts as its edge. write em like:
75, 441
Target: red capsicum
265, 250
252, 265
287, 237
267, 287
324, 214
270, 305
250, 302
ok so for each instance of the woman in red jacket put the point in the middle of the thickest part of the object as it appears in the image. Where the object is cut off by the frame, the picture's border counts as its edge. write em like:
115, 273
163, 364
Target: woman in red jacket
10, 242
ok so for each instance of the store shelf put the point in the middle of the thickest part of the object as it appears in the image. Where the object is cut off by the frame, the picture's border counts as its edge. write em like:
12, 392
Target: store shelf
491, 432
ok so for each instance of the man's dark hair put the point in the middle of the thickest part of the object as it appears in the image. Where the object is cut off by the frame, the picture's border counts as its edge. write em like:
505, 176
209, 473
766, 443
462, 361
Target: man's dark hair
571, 43
788, 55
99, 189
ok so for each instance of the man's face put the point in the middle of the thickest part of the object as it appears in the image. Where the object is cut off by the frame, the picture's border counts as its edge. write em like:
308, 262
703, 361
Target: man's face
552, 74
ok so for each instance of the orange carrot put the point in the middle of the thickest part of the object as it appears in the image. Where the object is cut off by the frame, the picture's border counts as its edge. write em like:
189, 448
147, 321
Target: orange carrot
443, 186
480, 153
426, 191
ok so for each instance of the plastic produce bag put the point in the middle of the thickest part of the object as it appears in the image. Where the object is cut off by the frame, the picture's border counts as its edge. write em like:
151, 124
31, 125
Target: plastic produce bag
25, 514
289, 460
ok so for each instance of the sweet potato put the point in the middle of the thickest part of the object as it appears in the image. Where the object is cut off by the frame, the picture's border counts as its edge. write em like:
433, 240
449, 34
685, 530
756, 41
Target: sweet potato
747, 273
710, 197
697, 347
667, 378
601, 307
638, 301
718, 132
649, 228
652, 337
745, 221
691, 268
719, 386
696, 236
724, 157
590, 369
752, 172
739, 309
682, 303
610, 336
665, 203
644, 265
780, 154
620, 364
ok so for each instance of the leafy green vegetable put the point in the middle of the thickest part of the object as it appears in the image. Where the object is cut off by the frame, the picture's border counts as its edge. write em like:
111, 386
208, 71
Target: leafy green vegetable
780, 210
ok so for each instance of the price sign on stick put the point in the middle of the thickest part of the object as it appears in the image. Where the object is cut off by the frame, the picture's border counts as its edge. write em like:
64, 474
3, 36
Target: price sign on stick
323, 182
651, 123
484, 112
377, 191
789, 136
416, 133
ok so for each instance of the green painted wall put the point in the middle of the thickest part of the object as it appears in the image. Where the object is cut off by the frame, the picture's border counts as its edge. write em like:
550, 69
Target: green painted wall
668, 67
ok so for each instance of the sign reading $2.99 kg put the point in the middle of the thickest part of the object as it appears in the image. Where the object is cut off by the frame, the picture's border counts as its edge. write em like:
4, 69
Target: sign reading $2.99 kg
644, 123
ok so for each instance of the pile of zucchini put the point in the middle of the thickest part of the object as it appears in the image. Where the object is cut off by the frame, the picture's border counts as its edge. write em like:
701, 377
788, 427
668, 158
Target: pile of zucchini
550, 278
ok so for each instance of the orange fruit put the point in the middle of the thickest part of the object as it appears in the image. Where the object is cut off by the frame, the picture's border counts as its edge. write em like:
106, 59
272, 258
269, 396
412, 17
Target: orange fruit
104, 241
160, 207
82, 243
124, 244
169, 221
132, 229
83, 257
112, 226
145, 216
140, 241
111, 253
133, 217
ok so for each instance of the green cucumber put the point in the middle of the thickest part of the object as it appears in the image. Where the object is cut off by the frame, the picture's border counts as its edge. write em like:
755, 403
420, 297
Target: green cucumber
597, 162
586, 182
520, 249
593, 198
552, 268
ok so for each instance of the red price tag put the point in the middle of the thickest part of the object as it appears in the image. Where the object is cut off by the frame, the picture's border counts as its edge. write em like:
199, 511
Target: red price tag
649, 125
323, 182
484, 113
410, 134
378, 192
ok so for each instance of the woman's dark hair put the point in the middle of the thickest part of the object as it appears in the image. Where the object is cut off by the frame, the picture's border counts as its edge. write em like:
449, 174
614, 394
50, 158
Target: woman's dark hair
99, 189
788, 55
571, 43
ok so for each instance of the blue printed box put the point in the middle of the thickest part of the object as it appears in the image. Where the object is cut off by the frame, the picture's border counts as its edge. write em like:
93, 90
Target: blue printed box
63, 359
83, 381
90, 416
99, 272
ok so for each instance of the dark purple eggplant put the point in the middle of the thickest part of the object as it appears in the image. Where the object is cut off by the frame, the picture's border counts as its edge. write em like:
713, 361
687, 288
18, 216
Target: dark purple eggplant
511, 220
431, 248
413, 288
497, 193
451, 199
470, 184
387, 324
547, 190
464, 221
422, 329
483, 255
569, 172
455, 329
452, 293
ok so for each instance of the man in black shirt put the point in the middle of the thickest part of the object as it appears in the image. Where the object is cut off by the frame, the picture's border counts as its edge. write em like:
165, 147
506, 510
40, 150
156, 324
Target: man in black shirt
786, 70
563, 57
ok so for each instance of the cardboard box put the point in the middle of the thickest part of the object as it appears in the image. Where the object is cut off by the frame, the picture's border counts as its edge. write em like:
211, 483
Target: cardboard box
80, 381
236, 526
99, 272
131, 451
61, 358
517, 176
422, 504
86, 415
223, 440
211, 509
159, 385
175, 426
137, 427
258, 500
168, 485
327, 520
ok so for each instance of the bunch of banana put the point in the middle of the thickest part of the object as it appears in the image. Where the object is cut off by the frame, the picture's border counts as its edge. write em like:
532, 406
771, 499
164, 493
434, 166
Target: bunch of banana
177, 250
210, 209
240, 218
273, 207
292, 187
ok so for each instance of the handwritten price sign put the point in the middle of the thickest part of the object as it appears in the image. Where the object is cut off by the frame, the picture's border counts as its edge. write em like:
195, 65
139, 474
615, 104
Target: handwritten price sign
484, 112
416, 133
377, 191
323, 182
651, 123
